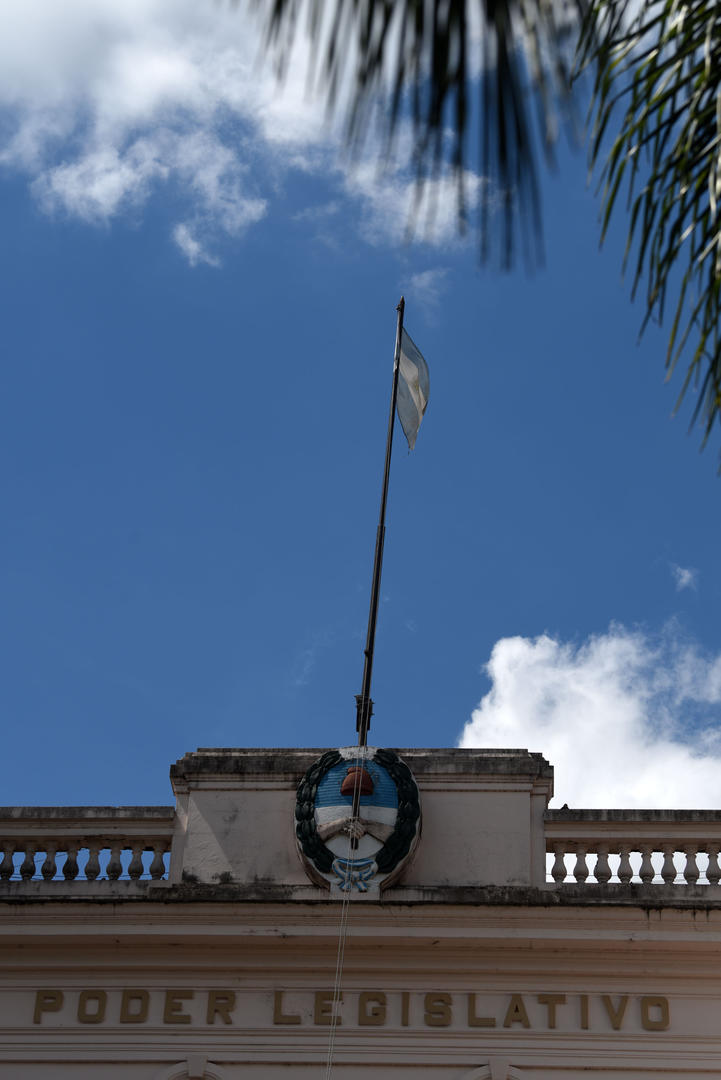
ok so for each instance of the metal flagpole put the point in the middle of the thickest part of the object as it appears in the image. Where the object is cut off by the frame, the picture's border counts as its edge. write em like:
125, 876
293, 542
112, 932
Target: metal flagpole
364, 704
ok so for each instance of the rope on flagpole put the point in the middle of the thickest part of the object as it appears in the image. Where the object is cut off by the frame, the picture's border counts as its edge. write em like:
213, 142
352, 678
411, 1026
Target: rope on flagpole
344, 913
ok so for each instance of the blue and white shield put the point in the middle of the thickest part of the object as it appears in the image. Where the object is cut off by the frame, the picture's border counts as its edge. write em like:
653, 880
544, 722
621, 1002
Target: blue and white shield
357, 819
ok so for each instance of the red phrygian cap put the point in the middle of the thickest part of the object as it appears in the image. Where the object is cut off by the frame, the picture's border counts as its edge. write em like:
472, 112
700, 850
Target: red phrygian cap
353, 780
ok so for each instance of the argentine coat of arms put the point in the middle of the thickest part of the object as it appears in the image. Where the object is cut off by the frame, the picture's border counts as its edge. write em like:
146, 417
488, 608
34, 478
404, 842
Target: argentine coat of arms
357, 819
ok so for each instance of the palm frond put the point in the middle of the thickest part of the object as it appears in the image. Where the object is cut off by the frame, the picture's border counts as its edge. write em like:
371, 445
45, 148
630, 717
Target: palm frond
427, 60
658, 75
657, 101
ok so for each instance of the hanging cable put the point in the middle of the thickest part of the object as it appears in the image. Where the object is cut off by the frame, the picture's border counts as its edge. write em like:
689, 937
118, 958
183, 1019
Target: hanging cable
344, 913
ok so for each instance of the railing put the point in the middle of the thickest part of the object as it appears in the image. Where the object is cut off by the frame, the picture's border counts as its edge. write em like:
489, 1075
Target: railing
93, 850
96, 845
623, 847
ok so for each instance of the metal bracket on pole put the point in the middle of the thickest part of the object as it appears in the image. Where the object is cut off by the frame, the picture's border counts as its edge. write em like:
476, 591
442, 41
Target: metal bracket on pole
364, 711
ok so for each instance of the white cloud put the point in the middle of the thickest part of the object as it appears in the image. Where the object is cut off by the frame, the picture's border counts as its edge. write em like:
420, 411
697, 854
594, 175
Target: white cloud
106, 101
95, 187
394, 210
626, 719
318, 213
684, 576
192, 248
102, 183
427, 287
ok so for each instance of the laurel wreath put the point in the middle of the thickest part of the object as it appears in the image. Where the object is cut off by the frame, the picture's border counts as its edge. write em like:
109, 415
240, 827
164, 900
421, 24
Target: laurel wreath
398, 843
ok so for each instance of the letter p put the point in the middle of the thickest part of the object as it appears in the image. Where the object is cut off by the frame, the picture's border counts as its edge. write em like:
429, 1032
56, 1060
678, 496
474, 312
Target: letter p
47, 1001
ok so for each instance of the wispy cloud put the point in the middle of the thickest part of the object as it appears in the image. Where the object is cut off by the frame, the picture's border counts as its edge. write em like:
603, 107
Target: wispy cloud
394, 210
319, 213
306, 659
192, 248
427, 288
104, 105
628, 719
684, 576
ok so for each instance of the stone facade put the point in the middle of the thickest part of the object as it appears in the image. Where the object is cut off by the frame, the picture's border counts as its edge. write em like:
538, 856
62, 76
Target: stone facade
190, 944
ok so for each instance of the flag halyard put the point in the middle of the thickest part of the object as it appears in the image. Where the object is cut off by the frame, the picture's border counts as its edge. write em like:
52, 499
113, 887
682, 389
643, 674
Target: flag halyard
413, 388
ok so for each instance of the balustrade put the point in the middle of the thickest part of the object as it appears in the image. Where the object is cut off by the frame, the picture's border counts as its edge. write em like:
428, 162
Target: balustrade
96, 846
89, 849
642, 847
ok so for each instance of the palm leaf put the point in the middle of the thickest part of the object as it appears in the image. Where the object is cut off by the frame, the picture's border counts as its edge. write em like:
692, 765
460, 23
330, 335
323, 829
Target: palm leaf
467, 66
658, 88
461, 71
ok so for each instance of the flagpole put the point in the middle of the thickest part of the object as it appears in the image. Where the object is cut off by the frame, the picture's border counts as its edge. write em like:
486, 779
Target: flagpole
364, 704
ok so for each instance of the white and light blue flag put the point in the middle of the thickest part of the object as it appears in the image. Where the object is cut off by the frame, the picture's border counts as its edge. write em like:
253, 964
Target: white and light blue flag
413, 388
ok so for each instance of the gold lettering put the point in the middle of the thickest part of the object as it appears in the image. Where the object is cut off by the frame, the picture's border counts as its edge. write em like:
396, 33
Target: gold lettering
662, 1020
375, 1016
437, 1010
551, 1001
139, 1015
279, 1017
98, 1015
584, 1012
516, 1012
173, 1011
323, 1008
405, 1008
478, 1021
615, 1014
220, 1002
47, 1001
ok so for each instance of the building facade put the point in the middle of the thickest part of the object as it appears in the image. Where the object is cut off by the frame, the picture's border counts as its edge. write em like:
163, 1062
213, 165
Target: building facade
481, 938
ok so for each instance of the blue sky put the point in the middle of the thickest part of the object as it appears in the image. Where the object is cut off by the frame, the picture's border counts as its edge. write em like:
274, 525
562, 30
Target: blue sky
199, 300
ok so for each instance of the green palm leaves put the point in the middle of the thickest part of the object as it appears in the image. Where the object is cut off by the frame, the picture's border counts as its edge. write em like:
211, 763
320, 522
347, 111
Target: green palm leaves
659, 74
463, 70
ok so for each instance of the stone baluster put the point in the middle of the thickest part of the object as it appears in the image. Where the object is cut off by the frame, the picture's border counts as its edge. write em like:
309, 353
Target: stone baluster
7, 866
668, 870
625, 870
27, 867
691, 870
649, 853
115, 867
157, 866
135, 868
58, 858
49, 867
646, 871
92, 866
558, 870
580, 870
70, 866
602, 871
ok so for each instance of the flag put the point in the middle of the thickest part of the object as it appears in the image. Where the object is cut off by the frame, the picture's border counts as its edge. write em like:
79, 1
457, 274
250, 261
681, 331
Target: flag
413, 388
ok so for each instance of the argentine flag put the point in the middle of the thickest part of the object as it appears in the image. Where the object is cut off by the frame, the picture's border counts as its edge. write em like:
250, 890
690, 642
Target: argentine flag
413, 388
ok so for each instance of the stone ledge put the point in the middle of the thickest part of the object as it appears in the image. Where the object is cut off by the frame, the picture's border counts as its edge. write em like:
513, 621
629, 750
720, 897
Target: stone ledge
290, 763
643, 897
559, 817
73, 813
30, 891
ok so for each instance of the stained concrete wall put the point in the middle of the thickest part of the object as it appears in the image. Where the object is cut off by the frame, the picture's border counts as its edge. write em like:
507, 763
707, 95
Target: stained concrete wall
482, 816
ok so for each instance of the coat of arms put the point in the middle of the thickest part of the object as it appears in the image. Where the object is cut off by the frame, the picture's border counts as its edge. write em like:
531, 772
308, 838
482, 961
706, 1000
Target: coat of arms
357, 819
